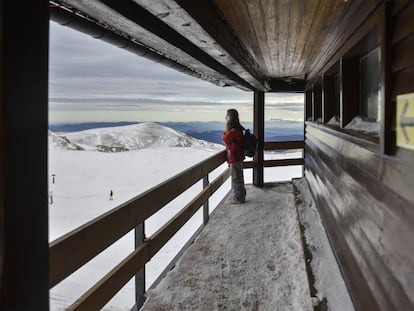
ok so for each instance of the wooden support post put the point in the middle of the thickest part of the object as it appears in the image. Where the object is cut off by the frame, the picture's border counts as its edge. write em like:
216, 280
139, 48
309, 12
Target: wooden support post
316, 102
387, 109
328, 98
258, 129
308, 105
24, 252
140, 276
206, 208
349, 71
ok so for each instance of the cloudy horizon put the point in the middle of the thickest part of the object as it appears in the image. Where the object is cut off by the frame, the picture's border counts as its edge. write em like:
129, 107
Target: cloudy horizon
93, 81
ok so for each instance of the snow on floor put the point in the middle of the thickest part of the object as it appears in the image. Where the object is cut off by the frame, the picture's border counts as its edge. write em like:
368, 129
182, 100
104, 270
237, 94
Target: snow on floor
328, 279
249, 257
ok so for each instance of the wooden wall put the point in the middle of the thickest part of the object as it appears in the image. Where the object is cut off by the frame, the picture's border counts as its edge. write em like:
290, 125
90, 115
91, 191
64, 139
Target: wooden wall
365, 193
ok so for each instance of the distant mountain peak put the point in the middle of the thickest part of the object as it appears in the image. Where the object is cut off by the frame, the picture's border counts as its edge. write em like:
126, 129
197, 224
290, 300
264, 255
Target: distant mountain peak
125, 138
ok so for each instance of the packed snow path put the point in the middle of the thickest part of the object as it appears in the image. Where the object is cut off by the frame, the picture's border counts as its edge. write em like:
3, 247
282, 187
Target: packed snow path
249, 257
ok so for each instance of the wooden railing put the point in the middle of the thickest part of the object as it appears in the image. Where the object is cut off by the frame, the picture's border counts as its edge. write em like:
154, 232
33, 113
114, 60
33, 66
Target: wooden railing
280, 145
73, 250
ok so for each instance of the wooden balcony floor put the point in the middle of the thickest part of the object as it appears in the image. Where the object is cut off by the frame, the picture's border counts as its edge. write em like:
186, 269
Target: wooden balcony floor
248, 257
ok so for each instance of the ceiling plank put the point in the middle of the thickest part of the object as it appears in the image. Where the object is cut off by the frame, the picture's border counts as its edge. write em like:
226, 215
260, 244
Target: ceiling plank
352, 17
296, 16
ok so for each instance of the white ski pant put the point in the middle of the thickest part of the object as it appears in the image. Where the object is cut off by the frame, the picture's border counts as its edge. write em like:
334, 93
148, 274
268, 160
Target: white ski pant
237, 182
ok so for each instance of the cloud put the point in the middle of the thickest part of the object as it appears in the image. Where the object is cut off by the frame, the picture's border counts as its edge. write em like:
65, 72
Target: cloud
90, 75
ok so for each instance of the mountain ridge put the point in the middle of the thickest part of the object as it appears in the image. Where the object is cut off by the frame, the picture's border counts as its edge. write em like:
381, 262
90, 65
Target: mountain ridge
126, 138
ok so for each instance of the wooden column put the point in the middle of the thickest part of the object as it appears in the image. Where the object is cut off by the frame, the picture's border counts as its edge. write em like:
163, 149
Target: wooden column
349, 71
328, 98
316, 102
24, 253
258, 129
308, 104
387, 109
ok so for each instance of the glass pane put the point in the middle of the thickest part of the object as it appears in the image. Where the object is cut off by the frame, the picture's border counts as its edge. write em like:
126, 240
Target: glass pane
370, 85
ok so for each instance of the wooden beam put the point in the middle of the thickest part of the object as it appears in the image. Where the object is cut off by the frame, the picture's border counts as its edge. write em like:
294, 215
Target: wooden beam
308, 105
316, 102
387, 135
137, 14
249, 164
98, 31
349, 71
328, 98
284, 162
24, 47
284, 145
99, 13
200, 23
287, 85
258, 125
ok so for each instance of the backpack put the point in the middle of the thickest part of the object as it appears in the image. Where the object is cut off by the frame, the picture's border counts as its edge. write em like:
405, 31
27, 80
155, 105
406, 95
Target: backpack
249, 144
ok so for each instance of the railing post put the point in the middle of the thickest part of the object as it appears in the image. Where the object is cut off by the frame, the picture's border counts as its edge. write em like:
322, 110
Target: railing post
140, 276
206, 209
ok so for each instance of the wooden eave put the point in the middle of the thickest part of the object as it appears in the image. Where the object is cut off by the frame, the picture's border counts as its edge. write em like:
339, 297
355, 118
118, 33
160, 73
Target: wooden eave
253, 45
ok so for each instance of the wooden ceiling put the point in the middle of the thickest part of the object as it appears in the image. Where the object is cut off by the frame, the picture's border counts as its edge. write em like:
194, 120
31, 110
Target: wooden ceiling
249, 44
284, 36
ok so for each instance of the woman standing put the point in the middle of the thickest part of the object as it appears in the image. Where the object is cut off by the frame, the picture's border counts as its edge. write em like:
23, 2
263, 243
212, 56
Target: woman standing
233, 138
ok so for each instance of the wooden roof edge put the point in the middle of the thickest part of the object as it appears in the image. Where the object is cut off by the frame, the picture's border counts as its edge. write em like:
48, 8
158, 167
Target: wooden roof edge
204, 65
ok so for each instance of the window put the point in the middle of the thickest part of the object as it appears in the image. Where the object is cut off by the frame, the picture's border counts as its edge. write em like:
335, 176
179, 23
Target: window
370, 86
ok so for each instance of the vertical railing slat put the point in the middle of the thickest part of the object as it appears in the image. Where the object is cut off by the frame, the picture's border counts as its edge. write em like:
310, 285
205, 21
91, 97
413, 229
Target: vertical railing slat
206, 209
140, 276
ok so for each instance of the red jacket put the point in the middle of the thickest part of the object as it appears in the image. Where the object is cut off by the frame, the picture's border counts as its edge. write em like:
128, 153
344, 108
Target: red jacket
234, 145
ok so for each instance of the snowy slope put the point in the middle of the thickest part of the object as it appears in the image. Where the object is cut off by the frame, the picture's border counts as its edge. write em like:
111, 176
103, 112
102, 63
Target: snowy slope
60, 142
133, 137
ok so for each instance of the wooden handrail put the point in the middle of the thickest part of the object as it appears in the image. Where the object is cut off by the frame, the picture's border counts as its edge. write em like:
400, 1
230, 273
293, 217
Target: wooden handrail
284, 145
284, 162
71, 251
97, 296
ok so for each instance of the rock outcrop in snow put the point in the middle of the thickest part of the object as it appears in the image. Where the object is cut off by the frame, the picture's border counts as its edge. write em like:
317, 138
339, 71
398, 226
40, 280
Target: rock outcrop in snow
60, 142
125, 138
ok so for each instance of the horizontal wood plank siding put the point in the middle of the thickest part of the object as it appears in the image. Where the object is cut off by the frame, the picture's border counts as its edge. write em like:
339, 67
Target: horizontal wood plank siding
402, 63
368, 214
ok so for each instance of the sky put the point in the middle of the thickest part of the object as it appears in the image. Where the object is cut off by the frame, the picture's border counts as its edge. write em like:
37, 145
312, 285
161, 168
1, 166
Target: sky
93, 81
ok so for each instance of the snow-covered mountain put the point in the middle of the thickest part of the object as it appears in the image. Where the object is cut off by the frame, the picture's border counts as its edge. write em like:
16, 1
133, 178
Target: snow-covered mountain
125, 138
60, 142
